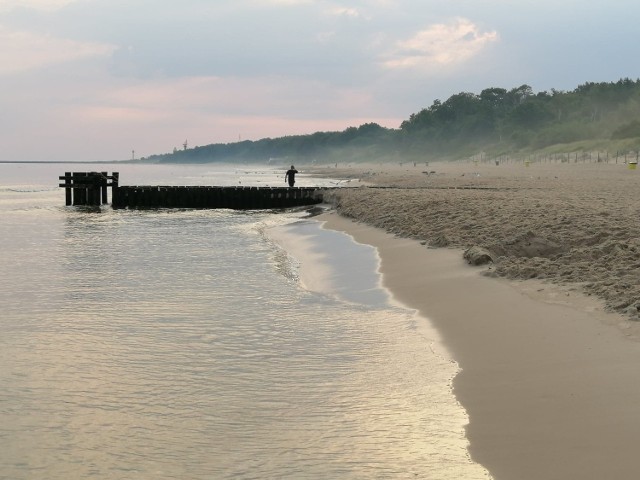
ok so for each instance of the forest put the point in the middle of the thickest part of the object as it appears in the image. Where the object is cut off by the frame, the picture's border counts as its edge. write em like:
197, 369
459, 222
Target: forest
497, 121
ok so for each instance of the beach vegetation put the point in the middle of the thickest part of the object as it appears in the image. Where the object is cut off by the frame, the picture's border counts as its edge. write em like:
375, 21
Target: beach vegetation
627, 130
516, 120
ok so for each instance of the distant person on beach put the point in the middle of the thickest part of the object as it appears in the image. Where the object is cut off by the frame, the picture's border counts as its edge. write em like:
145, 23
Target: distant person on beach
291, 175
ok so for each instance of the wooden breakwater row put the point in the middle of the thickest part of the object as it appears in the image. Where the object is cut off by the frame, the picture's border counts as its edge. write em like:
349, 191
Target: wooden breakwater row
90, 188
238, 198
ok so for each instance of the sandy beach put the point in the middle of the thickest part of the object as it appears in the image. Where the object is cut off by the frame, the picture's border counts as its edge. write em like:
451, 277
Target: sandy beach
546, 333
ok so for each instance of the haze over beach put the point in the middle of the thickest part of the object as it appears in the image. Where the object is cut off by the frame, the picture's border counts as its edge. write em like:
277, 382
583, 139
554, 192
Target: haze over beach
108, 80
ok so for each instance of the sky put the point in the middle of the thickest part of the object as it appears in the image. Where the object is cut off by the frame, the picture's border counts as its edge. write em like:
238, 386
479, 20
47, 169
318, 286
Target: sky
113, 79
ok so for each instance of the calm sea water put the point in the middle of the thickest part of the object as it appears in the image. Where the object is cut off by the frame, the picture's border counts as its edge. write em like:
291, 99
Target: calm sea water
179, 344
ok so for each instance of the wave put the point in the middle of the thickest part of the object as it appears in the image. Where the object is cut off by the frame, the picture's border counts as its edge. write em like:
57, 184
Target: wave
27, 188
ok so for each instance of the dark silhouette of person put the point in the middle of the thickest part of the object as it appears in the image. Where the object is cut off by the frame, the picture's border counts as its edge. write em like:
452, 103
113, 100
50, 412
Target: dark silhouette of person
291, 175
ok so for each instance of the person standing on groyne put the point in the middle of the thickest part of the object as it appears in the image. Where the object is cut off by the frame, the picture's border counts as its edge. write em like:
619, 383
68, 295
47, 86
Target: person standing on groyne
291, 176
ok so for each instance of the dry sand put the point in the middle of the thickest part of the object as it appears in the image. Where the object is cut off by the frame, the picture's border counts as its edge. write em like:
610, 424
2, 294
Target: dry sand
570, 224
548, 366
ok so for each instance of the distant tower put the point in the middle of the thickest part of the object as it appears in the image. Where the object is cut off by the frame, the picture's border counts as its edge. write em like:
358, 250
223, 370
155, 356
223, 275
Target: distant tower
184, 145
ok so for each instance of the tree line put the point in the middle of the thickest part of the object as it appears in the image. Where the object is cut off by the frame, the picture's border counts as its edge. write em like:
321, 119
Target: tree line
496, 120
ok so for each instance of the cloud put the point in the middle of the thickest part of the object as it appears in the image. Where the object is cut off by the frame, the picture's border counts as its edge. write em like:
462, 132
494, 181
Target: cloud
283, 2
344, 12
22, 50
440, 44
46, 5
325, 37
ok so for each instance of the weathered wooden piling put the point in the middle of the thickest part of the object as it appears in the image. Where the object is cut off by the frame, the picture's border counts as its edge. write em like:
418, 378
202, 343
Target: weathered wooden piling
67, 190
80, 188
103, 187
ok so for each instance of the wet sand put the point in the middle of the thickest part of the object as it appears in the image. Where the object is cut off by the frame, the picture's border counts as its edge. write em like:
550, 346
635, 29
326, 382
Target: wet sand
548, 364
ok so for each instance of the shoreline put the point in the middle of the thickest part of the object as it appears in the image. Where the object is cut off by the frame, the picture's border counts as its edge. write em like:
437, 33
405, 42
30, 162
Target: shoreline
332, 262
549, 388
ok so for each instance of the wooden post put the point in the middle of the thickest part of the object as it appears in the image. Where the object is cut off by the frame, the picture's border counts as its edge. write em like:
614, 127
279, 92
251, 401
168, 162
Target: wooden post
103, 187
115, 186
76, 192
115, 190
79, 193
67, 190
94, 189
85, 190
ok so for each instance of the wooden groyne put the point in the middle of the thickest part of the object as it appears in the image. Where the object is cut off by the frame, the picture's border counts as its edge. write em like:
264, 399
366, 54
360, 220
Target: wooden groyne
88, 188
82, 188
238, 198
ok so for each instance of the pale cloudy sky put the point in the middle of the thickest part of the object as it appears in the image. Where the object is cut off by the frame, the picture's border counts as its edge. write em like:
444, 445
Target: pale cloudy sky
96, 79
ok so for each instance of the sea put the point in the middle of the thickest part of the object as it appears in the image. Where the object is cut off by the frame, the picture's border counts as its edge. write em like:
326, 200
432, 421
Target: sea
181, 343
